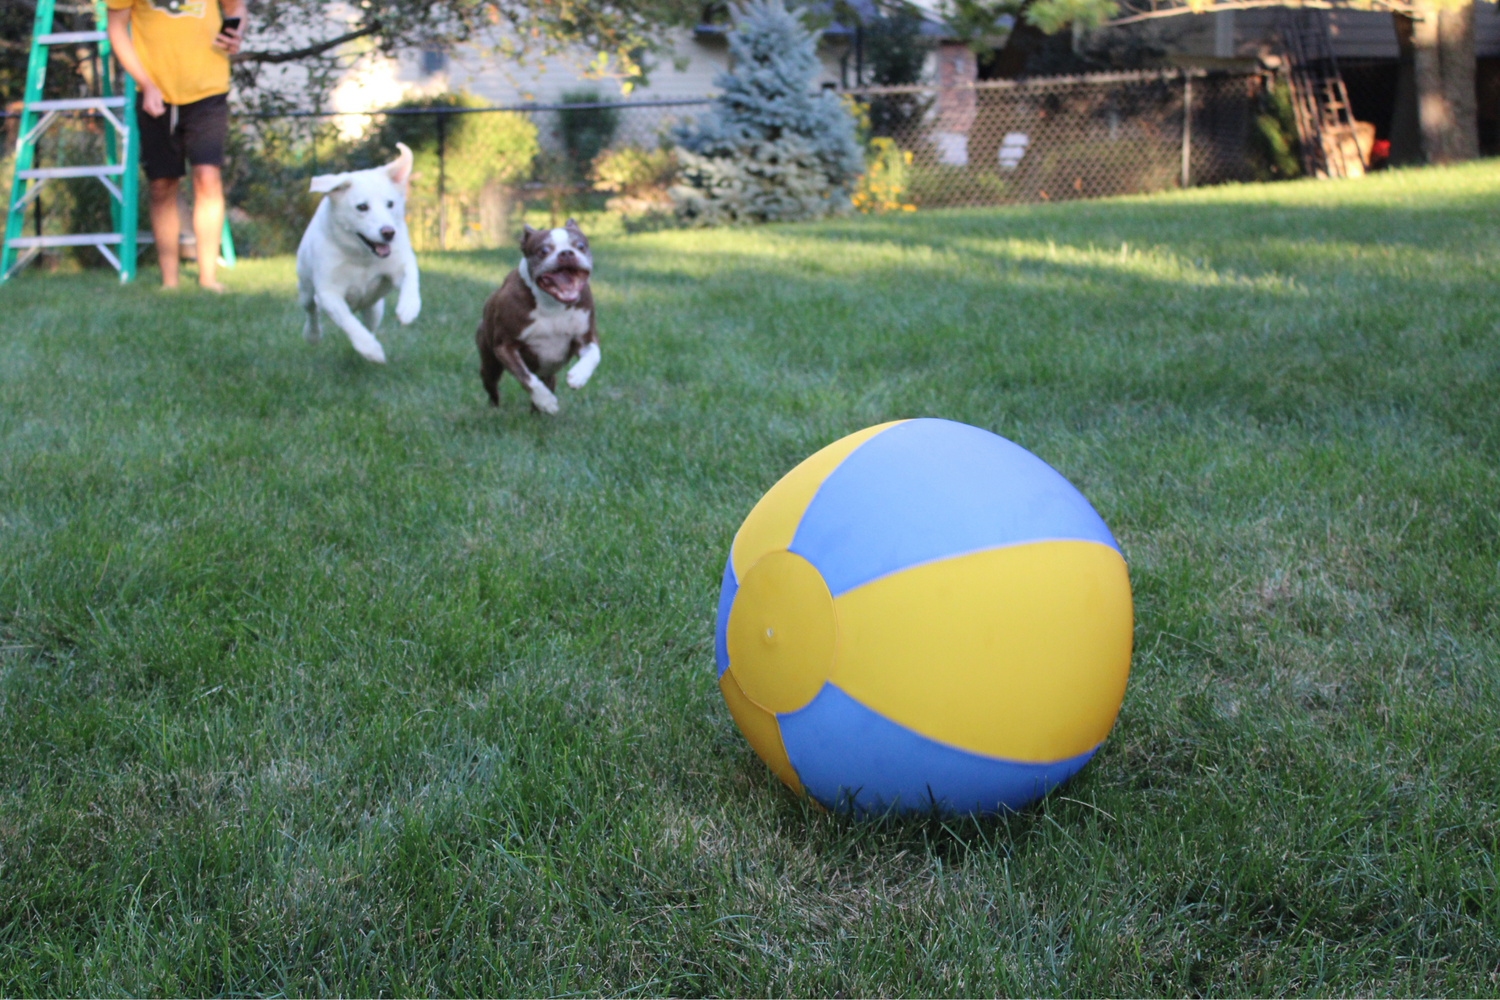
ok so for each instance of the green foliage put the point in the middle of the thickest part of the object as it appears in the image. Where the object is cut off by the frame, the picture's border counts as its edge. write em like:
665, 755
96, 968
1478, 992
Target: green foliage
634, 171
585, 132
979, 20
1052, 16
895, 50
1276, 132
624, 35
477, 148
768, 150
318, 677
884, 185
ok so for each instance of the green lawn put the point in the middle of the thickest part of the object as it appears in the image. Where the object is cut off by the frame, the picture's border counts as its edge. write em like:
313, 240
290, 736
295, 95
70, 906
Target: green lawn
323, 677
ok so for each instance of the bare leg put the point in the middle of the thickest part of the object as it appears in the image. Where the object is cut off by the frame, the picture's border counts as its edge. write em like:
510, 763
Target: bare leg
165, 227
208, 223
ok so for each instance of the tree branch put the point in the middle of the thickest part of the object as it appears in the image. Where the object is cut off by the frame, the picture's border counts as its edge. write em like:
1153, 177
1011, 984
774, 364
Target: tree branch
311, 50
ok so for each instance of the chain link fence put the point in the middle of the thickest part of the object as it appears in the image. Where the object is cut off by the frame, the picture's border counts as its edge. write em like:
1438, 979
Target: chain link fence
1060, 138
993, 142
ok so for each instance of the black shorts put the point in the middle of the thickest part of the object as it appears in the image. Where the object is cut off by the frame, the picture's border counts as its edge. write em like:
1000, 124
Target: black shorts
194, 132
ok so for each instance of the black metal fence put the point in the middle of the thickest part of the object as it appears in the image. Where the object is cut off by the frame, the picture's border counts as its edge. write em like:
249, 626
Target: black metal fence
988, 143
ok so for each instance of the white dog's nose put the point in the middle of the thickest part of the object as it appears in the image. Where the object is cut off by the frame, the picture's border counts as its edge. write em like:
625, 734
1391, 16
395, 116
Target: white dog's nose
387, 232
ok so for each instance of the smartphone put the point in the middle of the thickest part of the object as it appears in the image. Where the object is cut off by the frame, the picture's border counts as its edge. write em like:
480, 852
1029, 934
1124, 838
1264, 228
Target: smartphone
230, 24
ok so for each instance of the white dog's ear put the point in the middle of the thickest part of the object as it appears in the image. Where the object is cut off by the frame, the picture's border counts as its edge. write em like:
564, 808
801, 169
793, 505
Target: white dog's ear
326, 183
399, 169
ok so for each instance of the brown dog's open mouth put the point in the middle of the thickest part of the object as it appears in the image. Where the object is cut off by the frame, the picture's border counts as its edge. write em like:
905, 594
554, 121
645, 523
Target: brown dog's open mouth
564, 284
378, 249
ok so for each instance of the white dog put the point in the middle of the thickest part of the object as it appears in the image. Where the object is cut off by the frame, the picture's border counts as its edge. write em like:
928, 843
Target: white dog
355, 251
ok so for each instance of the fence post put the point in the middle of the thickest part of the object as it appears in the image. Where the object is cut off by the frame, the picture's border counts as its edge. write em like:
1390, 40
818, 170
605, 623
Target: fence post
1187, 128
442, 129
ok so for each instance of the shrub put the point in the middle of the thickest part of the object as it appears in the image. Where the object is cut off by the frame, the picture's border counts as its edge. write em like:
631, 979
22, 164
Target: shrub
895, 52
1276, 134
633, 171
584, 132
477, 148
883, 186
768, 150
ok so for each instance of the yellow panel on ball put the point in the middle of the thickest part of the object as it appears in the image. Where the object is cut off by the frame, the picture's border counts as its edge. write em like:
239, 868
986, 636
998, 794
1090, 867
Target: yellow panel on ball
782, 633
1026, 648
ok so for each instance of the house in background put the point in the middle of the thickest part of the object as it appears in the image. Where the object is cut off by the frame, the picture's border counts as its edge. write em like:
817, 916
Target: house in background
696, 58
1379, 79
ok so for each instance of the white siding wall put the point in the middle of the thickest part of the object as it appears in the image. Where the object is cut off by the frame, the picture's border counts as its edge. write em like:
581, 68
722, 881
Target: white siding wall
378, 82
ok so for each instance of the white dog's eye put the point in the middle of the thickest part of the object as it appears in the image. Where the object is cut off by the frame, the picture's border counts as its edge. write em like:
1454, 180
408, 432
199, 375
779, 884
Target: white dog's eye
363, 206
390, 204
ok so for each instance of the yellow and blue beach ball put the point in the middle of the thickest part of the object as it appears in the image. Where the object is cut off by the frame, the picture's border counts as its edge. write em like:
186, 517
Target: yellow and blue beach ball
924, 615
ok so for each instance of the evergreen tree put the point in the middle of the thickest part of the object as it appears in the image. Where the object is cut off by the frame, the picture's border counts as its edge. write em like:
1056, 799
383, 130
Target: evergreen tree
769, 149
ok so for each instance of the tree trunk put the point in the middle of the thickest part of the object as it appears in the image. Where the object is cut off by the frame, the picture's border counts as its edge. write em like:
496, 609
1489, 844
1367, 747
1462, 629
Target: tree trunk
1443, 44
1406, 133
1456, 43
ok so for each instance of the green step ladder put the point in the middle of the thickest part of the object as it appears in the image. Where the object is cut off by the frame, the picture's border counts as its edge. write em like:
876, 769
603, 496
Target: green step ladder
120, 173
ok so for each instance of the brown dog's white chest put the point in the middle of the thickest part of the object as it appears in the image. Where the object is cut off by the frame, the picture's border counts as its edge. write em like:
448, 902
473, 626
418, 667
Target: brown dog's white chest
549, 336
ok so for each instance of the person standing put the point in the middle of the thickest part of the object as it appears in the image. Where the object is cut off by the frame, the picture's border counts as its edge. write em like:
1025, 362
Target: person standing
178, 53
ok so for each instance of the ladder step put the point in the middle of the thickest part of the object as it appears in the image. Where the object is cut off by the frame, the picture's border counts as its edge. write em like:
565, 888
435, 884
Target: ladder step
71, 37
40, 173
67, 240
77, 104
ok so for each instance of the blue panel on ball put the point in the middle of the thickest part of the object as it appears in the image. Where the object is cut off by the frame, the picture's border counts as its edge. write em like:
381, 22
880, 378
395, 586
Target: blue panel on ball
843, 751
929, 489
727, 589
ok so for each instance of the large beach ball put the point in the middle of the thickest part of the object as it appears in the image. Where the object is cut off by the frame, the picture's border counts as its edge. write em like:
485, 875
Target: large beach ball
924, 614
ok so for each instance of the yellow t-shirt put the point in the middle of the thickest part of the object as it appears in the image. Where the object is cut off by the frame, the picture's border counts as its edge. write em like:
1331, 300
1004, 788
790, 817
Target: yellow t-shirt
175, 41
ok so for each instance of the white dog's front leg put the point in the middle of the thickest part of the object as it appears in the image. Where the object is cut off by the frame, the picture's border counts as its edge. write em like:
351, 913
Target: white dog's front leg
409, 299
364, 342
588, 360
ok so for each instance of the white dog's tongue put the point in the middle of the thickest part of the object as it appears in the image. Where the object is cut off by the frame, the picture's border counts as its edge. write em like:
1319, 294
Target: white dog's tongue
381, 249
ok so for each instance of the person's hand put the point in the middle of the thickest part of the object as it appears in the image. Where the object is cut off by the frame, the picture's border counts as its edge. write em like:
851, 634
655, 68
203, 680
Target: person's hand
227, 41
151, 101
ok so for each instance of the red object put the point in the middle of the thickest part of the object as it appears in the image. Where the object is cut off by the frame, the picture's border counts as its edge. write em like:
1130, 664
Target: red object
1380, 151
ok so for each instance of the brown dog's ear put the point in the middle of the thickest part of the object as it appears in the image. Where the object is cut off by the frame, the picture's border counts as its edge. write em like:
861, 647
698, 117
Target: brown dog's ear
570, 224
526, 233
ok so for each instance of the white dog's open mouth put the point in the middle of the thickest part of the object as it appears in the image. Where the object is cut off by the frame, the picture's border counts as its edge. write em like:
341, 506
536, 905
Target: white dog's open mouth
378, 249
564, 284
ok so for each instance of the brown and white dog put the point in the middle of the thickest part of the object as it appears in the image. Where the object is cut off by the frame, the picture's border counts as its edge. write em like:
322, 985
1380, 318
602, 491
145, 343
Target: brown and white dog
541, 316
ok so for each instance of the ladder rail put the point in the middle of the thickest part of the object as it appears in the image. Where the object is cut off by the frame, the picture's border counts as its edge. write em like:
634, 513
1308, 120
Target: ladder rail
36, 76
1320, 98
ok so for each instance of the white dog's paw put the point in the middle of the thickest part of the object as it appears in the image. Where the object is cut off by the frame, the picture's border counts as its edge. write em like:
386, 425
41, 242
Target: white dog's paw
406, 310
542, 398
371, 351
